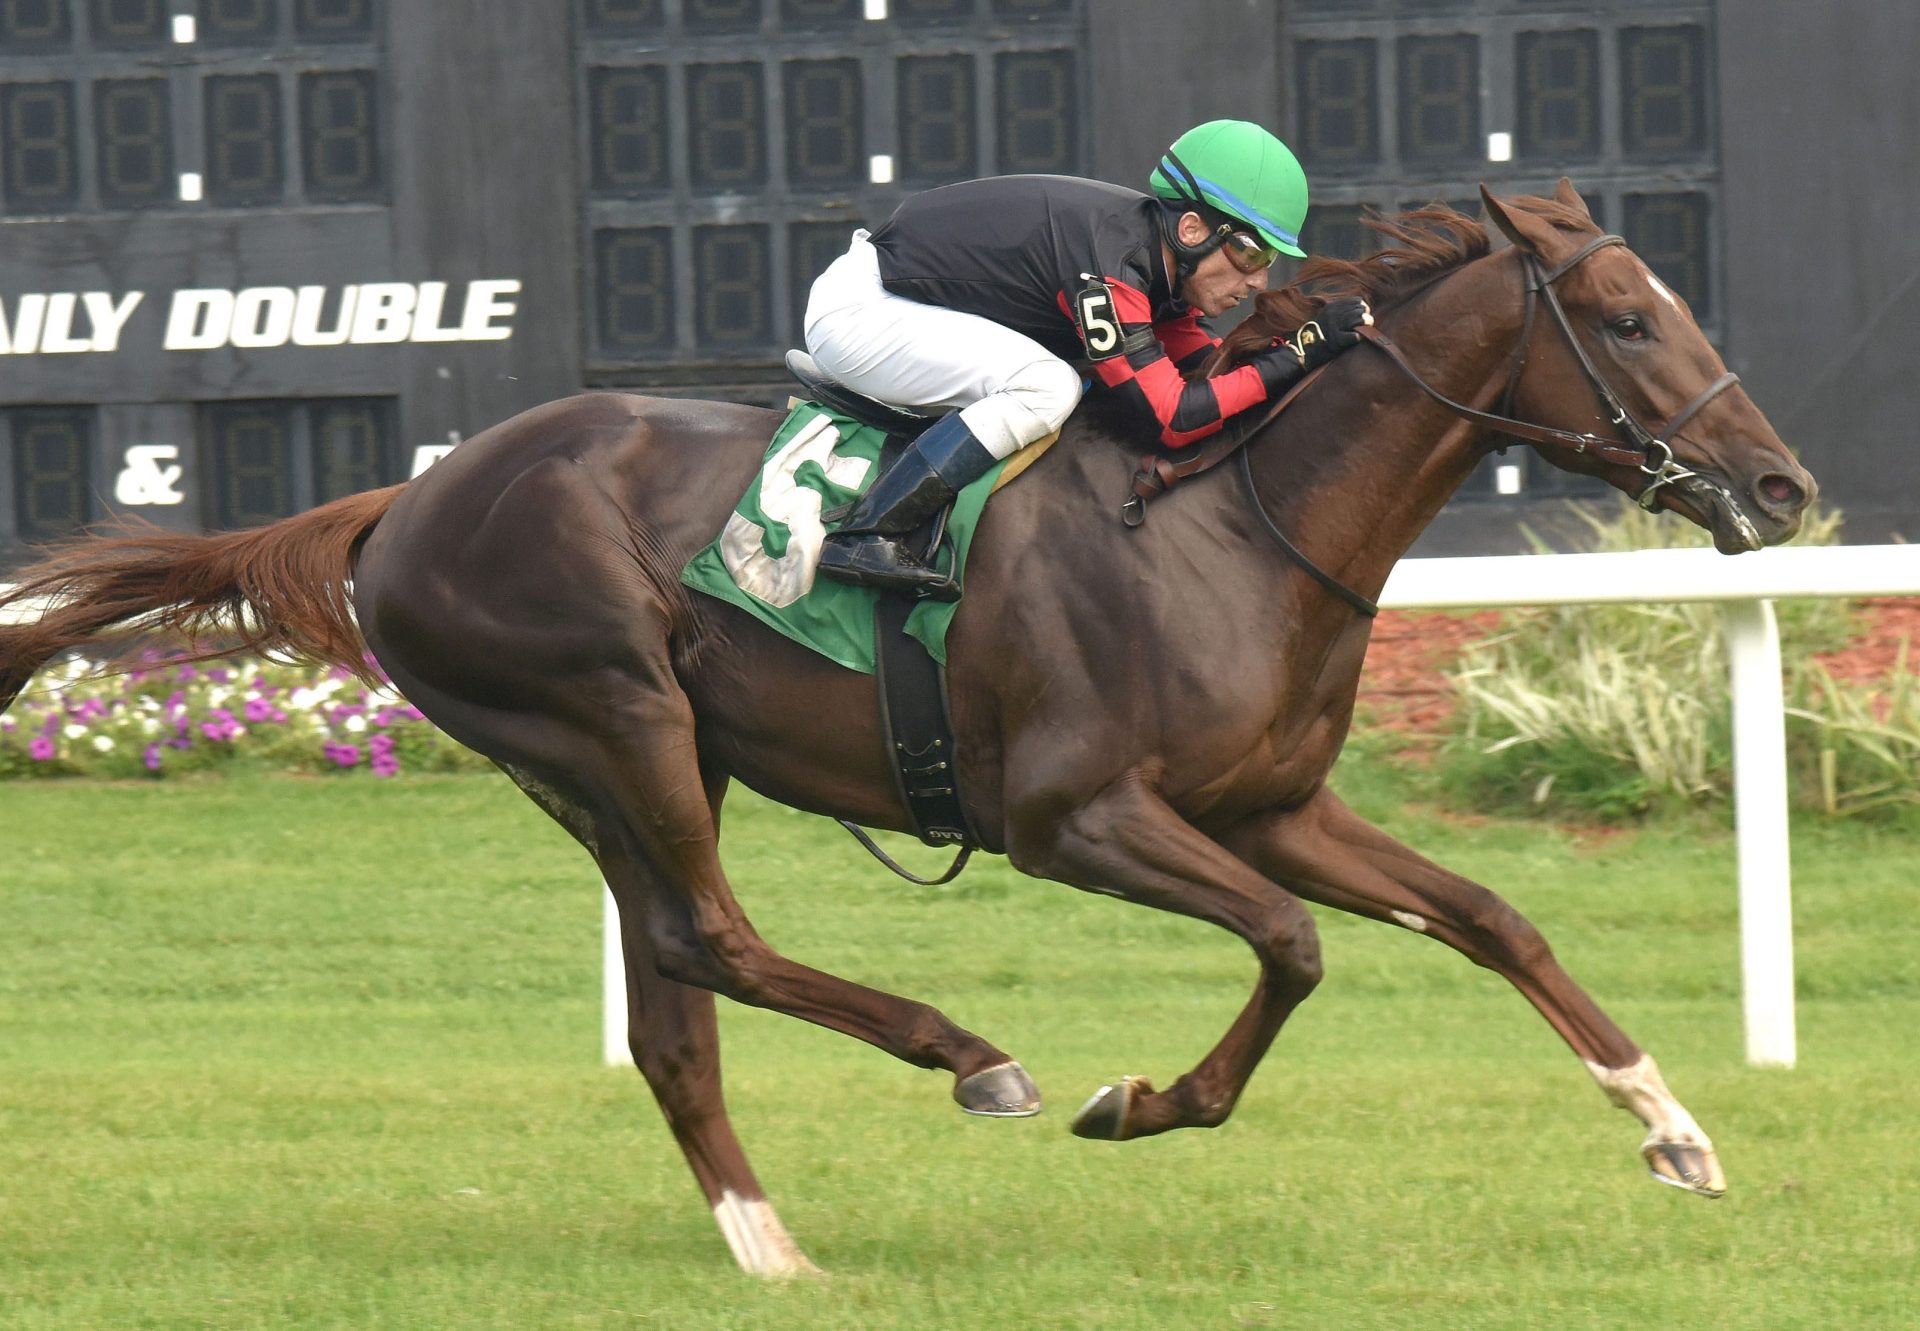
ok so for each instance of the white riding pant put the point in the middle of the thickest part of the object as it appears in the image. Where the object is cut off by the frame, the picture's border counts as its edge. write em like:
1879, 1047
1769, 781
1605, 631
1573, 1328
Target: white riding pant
1008, 388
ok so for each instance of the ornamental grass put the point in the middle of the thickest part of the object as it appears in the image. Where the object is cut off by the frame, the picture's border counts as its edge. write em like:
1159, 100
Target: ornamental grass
1615, 711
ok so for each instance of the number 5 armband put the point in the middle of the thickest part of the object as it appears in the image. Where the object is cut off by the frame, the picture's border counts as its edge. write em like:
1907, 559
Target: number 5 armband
1115, 322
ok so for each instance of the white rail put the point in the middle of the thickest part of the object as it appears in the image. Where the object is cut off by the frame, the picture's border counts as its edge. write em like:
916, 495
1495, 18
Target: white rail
1747, 586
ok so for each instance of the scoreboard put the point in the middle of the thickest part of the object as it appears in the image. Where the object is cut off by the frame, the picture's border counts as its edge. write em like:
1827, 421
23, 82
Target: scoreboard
255, 254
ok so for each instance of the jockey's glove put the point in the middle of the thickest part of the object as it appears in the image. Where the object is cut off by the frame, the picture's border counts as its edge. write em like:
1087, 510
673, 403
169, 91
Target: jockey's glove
1331, 332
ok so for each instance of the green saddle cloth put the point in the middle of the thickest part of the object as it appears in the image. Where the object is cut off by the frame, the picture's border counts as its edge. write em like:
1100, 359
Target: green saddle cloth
765, 557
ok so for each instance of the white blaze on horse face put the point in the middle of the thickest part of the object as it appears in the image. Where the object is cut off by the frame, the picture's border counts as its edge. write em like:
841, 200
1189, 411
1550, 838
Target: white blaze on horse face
1663, 291
1643, 1092
760, 1243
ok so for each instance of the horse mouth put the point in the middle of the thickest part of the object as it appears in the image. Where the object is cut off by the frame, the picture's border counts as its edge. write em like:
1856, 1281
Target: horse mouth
1713, 506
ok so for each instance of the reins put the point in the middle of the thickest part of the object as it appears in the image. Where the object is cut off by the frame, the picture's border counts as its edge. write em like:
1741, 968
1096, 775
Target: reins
1649, 451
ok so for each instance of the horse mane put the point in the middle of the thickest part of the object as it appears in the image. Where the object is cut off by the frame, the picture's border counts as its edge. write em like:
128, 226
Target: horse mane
1427, 244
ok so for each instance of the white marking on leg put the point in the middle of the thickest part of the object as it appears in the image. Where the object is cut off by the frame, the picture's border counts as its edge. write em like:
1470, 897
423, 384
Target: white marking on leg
1417, 923
1643, 1092
760, 1243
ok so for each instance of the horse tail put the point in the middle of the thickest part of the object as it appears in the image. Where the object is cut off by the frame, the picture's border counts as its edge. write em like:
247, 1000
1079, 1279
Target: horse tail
279, 588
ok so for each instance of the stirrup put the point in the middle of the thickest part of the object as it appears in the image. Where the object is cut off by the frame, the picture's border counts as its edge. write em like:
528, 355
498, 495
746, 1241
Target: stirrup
869, 559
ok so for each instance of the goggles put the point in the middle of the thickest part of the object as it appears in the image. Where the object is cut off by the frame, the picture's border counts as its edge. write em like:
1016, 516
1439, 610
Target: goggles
1248, 252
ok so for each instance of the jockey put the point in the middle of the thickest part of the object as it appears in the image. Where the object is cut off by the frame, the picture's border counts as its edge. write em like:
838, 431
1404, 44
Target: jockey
987, 299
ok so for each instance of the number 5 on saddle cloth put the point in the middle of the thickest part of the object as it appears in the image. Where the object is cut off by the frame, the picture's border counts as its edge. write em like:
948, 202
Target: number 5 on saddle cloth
821, 459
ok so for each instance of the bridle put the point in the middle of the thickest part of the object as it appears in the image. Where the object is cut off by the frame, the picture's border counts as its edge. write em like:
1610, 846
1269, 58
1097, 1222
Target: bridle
1649, 451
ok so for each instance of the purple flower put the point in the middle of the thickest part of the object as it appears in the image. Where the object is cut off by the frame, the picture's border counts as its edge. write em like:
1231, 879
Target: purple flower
220, 675
152, 757
258, 710
53, 723
220, 725
385, 764
41, 748
343, 755
381, 745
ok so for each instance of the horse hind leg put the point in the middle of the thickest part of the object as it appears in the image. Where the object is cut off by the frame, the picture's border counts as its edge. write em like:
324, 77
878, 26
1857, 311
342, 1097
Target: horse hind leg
674, 1038
649, 792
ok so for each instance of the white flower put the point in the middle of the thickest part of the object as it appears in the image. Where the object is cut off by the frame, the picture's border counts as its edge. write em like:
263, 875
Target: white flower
149, 726
103, 743
75, 732
355, 723
217, 696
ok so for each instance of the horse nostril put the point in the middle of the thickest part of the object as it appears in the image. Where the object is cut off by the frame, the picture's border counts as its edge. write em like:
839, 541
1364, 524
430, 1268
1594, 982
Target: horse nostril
1780, 491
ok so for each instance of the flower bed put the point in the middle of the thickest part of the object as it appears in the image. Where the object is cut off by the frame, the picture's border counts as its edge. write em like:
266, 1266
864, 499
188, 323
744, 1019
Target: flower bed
167, 718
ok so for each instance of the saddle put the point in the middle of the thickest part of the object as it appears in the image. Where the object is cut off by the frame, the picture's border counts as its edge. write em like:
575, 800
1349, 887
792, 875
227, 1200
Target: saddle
895, 421
912, 684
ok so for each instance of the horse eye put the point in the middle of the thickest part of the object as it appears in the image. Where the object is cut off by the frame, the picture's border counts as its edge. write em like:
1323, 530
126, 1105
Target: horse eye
1628, 328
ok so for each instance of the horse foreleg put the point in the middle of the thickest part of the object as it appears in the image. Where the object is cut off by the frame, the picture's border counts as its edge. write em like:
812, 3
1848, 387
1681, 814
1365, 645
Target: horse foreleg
1327, 853
1129, 843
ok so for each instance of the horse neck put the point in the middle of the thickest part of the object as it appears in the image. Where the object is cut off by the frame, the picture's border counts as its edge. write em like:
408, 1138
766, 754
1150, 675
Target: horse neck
1360, 472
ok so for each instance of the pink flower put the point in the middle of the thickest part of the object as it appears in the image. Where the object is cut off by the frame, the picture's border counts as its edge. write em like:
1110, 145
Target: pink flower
41, 748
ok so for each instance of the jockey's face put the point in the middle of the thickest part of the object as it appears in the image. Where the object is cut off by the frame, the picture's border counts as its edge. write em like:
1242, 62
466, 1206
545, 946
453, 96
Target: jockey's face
1216, 284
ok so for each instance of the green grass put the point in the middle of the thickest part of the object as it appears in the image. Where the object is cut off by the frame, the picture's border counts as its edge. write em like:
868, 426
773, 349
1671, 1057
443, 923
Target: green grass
324, 1053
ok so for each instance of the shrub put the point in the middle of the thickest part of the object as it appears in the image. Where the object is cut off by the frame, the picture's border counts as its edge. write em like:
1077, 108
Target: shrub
1617, 710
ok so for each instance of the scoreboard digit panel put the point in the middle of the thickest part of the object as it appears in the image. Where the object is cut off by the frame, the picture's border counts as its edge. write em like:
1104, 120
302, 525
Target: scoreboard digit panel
717, 187
1394, 102
105, 109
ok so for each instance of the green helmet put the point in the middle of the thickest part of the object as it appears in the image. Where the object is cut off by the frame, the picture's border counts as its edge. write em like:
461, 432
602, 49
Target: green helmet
1237, 168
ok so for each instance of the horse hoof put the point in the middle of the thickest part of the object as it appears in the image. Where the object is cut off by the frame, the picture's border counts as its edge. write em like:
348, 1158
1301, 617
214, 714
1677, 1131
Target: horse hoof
1004, 1091
1106, 1116
1682, 1165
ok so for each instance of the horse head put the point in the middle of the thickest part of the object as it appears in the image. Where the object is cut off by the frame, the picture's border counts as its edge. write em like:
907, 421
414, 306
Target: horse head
1621, 348
1591, 358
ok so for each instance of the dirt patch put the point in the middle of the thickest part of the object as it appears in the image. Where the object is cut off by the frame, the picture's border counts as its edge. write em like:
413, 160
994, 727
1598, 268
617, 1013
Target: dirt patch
1404, 686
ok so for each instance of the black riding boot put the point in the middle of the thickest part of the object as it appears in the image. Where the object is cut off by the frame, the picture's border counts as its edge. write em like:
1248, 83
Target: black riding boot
868, 550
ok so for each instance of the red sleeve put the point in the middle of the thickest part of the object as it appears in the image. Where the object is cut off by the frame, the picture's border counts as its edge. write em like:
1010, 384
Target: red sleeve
1184, 338
1140, 368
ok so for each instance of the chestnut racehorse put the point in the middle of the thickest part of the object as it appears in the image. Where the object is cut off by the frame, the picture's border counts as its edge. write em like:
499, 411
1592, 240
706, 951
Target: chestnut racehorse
1149, 712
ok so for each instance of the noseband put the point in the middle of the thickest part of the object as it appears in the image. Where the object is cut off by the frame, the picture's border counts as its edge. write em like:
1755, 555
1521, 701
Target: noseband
1649, 451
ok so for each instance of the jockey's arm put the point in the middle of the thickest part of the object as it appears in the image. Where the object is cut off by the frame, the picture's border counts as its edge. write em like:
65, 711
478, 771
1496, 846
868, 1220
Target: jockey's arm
1144, 364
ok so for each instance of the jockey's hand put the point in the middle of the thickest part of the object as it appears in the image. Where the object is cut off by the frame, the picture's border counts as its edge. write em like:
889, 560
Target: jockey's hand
1331, 332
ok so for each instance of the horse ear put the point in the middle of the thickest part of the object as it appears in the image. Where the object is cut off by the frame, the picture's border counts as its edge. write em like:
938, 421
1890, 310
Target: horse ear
1565, 193
1525, 230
